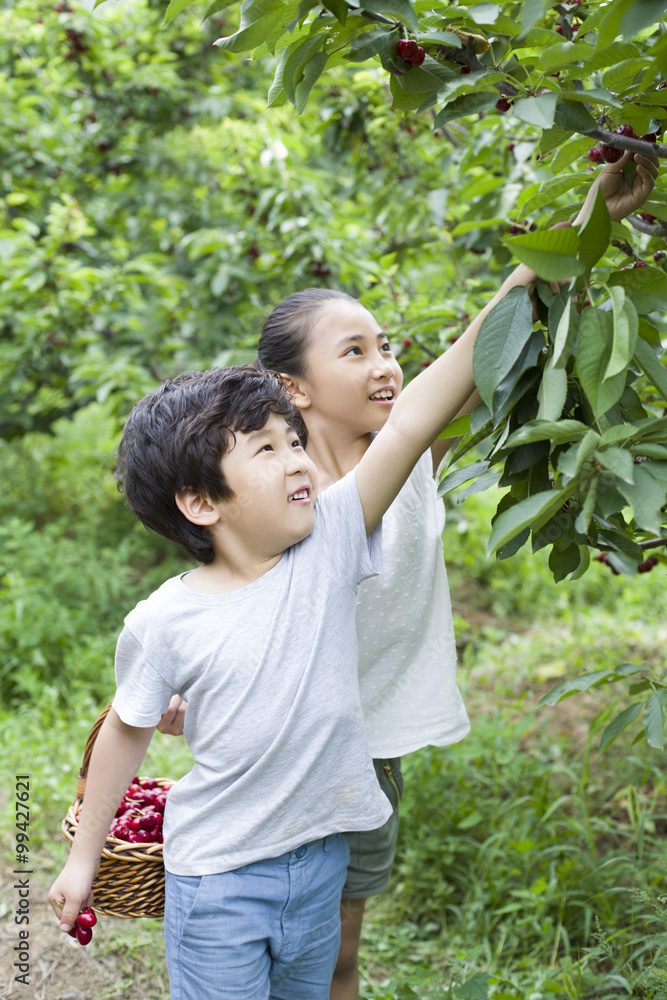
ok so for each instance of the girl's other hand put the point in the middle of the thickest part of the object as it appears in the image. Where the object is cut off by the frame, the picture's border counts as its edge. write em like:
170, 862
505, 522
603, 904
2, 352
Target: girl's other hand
171, 723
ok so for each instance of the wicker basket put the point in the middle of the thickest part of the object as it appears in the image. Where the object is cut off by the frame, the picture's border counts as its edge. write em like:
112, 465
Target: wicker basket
130, 882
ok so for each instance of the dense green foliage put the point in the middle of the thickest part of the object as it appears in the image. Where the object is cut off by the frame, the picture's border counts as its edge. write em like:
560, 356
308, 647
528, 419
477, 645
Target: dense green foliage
571, 410
153, 211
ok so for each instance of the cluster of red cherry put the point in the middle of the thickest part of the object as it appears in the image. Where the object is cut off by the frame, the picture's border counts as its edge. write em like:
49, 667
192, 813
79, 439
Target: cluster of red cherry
410, 52
140, 815
83, 927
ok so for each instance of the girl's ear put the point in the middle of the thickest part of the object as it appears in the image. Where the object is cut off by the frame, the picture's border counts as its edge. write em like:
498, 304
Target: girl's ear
297, 388
196, 508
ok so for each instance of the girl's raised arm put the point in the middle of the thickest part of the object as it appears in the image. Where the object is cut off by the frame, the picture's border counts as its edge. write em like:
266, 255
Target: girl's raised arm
425, 406
434, 398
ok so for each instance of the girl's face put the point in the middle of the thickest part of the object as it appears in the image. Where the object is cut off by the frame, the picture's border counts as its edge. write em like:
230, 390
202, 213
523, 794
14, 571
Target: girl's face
352, 378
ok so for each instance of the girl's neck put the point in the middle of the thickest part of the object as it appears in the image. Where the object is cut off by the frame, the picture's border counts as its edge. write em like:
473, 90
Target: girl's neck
335, 453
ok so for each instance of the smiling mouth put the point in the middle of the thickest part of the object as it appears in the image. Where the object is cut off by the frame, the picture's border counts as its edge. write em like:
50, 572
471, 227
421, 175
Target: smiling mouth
301, 496
383, 396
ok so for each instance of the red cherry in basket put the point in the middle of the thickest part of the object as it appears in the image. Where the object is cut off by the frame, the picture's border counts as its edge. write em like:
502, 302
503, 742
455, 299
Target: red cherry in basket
86, 918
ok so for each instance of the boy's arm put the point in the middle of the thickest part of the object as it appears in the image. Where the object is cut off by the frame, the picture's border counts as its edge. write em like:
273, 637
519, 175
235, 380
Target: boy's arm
119, 750
422, 409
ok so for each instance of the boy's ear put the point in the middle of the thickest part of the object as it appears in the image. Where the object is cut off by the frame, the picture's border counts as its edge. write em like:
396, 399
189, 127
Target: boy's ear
298, 391
196, 508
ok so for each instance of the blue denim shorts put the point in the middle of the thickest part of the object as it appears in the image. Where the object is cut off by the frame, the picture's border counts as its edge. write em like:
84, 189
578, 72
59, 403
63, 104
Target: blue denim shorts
268, 931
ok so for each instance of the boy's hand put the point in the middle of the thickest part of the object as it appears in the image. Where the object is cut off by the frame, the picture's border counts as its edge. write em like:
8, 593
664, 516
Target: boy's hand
172, 721
622, 200
71, 892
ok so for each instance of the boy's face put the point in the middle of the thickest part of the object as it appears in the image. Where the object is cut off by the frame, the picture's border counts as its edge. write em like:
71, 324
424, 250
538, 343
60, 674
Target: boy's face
275, 486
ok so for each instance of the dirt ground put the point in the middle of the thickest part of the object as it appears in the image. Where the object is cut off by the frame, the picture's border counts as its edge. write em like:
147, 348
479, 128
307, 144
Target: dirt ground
60, 969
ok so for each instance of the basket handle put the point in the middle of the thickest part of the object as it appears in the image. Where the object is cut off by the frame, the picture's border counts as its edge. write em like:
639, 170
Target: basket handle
87, 753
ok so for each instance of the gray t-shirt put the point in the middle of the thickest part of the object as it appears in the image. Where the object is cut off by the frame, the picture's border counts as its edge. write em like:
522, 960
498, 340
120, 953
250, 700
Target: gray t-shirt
274, 720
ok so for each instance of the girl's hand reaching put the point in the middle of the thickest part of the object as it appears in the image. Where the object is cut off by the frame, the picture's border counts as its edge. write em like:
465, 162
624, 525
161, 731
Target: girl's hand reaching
623, 199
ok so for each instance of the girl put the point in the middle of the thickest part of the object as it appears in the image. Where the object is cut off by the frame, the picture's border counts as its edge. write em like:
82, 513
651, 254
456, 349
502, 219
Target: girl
344, 380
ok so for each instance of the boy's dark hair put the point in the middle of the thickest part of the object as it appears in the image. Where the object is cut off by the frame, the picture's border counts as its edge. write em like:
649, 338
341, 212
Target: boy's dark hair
175, 438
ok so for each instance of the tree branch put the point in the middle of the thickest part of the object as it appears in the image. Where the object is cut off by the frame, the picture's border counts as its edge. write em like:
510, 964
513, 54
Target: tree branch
657, 228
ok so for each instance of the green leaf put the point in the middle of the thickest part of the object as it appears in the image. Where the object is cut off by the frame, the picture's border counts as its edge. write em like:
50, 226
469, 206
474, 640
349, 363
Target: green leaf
369, 44
563, 54
571, 151
649, 364
258, 18
646, 497
584, 682
594, 231
617, 460
571, 115
611, 55
567, 325
571, 461
299, 56
311, 72
552, 392
338, 8
481, 484
538, 111
617, 725
428, 77
552, 253
530, 513
626, 325
550, 190
654, 718
500, 341
216, 7
640, 15
469, 104
619, 432
593, 353
558, 431
610, 25
458, 427
533, 11
563, 558
552, 138
460, 476
483, 13
647, 287
175, 7
596, 95
402, 10
475, 988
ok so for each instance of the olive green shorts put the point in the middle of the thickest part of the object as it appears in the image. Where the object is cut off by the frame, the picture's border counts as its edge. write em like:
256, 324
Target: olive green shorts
372, 851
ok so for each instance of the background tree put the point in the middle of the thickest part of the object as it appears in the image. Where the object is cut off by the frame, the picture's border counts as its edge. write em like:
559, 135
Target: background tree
572, 412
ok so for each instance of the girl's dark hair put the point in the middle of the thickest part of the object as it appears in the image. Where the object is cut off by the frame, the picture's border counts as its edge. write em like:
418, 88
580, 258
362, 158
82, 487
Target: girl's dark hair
176, 437
283, 342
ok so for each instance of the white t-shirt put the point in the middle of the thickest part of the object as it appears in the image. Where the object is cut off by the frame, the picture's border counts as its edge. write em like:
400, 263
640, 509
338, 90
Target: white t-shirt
407, 652
274, 720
